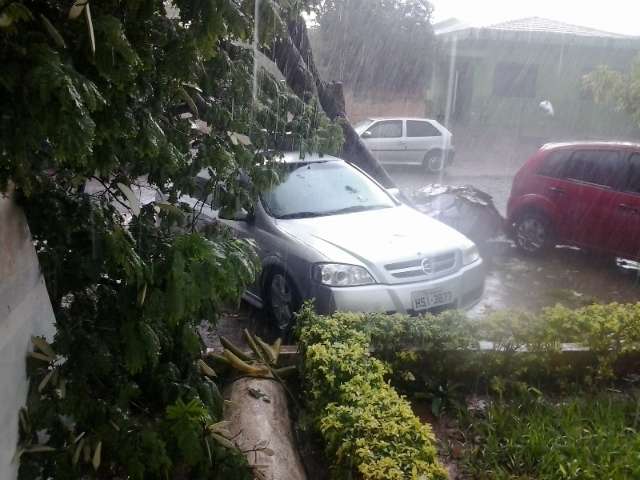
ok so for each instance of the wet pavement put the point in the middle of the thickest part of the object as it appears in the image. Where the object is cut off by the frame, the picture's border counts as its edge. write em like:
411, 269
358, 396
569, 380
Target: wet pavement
568, 276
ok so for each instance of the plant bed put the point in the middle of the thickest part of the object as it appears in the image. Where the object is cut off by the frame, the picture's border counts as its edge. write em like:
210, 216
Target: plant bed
351, 361
541, 437
369, 430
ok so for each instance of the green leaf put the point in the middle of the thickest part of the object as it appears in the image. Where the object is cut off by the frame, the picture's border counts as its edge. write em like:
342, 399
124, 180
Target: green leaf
53, 32
90, 31
132, 198
77, 8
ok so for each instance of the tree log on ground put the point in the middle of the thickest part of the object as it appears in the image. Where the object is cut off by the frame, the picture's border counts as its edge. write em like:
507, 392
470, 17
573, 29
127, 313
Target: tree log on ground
293, 55
260, 424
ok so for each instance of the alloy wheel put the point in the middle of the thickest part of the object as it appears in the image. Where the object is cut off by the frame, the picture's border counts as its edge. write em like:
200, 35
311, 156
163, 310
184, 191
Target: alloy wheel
435, 162
531, 234
281, 301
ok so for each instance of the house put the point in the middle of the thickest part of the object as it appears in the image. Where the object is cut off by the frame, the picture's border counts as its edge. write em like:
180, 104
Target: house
488, 84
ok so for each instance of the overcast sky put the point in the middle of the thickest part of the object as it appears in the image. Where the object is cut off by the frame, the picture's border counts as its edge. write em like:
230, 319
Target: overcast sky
619, 16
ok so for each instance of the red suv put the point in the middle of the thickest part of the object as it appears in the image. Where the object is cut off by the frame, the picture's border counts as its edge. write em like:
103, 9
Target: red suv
582, 194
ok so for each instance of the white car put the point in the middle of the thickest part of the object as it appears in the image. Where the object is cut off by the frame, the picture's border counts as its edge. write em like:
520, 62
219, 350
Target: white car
329, 232
408, 141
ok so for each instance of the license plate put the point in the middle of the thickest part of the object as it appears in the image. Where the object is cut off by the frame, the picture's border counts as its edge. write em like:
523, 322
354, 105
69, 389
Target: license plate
430, 298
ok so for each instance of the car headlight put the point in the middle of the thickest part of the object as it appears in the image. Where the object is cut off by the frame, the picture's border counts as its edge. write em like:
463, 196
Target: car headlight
341, 275
470, 255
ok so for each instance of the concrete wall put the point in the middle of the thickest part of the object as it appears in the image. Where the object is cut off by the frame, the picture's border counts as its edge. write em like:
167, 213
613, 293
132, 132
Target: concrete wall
25, 310
383, 104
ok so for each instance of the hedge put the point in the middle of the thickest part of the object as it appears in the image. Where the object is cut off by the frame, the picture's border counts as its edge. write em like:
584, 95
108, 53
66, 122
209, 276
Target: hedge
369, 430
559, 348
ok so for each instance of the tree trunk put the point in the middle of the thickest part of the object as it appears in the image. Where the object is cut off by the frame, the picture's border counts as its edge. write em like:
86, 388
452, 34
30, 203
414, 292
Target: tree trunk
293, 55
262, 427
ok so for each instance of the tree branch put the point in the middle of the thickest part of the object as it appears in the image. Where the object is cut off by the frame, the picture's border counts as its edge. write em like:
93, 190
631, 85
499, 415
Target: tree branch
293, 55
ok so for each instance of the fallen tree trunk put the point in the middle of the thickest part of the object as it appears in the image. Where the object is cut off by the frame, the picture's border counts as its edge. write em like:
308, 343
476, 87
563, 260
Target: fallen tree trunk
260, 424
292, 53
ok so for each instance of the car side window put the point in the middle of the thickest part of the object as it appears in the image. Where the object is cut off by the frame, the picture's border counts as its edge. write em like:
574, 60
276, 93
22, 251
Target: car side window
600, 167
554, 164
633, 174
386, 129
417, 128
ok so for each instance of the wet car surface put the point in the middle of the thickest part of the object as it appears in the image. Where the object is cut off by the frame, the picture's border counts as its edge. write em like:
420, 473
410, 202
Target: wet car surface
566, 275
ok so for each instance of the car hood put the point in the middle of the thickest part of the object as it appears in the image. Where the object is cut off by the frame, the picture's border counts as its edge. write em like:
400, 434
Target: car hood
375, 238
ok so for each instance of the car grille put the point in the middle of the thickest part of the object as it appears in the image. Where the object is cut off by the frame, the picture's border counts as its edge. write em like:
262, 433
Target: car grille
426, 267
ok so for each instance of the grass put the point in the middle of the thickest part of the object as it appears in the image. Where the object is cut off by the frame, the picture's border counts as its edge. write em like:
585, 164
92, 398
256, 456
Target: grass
536, 438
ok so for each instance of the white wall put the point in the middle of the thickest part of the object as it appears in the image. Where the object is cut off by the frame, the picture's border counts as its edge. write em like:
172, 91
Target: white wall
25, 310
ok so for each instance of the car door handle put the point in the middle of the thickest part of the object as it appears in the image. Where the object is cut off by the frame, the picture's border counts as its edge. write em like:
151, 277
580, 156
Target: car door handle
557, 190
627, 208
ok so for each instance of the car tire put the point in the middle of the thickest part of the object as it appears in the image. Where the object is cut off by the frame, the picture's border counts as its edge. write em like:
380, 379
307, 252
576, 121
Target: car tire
283, 301
533, 233
434, 161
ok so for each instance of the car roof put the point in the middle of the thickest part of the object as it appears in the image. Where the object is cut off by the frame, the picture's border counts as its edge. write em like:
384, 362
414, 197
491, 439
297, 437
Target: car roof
295, 157
591, 144
287, 158
422, 119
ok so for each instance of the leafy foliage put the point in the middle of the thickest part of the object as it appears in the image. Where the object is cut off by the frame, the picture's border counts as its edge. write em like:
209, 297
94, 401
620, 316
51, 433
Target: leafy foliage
368, 428
537, 437
621, 89
103, 103
395, 57
522, 434
442, 356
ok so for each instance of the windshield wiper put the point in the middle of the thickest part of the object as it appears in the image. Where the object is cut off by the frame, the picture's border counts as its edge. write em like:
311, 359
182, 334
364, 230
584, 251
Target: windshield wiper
300, 215
355, 208
352, 209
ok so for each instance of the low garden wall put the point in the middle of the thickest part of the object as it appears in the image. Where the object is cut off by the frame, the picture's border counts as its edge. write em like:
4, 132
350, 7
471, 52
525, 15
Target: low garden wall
25, 310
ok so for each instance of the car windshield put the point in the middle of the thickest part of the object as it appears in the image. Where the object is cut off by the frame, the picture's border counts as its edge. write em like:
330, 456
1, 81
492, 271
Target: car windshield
323, 188
362, 124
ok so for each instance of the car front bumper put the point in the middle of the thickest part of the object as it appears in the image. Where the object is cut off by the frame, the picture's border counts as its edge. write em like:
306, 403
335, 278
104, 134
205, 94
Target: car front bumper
466, 286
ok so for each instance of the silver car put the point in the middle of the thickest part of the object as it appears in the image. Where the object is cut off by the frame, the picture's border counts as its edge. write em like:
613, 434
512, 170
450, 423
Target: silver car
329, 232
408, 141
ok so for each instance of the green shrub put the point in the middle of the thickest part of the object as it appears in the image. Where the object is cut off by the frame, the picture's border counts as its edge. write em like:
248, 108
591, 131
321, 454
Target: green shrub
368, 428
430, 354
579, 438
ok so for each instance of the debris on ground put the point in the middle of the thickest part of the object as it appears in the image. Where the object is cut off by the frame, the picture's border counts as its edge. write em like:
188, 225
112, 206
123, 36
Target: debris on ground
259, 394
465, 208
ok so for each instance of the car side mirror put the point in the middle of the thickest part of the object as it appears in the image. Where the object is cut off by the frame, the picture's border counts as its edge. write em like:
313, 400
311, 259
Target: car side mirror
366, 134
240, 215
244, 181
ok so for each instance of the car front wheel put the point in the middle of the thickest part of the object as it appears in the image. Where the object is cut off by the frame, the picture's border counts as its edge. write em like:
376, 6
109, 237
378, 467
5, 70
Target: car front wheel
283, 302
533, 233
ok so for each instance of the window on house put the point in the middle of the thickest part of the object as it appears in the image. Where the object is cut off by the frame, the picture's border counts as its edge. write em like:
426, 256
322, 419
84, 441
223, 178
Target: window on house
386, 129
417, 128
596, 166
515, 80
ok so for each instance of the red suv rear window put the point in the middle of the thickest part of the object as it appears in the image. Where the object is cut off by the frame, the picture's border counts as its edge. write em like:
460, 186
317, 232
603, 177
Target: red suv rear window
554, 163
599, 167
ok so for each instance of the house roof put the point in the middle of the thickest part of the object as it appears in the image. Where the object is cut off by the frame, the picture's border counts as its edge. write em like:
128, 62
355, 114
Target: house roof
545, 25
529, 29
